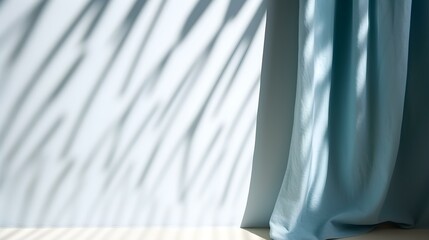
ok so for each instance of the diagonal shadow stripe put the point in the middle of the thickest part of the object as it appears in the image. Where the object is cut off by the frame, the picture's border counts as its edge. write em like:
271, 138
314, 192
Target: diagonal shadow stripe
46, 62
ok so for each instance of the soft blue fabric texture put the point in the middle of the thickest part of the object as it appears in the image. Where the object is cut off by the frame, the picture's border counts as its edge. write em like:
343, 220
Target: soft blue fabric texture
359, 154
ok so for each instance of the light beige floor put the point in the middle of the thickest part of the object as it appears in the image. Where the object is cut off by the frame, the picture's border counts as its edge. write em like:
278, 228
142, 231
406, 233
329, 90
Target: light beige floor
133, 234
180, 234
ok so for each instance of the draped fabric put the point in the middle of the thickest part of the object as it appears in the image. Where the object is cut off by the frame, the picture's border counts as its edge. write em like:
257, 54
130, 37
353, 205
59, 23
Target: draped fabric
359, 153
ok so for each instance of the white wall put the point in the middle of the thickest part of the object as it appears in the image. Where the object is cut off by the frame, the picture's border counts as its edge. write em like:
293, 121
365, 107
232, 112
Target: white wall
127, 112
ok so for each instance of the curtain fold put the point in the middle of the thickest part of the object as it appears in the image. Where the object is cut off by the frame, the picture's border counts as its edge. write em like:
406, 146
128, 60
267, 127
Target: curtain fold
359, 153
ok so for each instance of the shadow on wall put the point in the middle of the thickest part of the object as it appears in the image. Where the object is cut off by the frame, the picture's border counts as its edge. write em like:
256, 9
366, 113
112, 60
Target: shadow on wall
123, 113
275, 113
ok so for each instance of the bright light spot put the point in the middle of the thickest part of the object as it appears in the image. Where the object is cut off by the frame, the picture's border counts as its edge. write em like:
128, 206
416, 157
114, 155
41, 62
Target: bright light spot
363, 30
309, 48
361, 74
323, 64
309, 11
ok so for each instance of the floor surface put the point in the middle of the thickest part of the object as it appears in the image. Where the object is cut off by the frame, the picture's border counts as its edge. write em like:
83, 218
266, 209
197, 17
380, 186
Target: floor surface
180, 234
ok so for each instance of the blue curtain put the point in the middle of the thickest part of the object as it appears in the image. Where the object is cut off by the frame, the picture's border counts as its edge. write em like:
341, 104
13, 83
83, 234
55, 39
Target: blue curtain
359, 152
